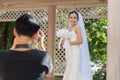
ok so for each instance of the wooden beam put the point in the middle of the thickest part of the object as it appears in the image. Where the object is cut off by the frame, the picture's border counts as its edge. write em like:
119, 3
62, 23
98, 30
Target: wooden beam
51, 35
46, 3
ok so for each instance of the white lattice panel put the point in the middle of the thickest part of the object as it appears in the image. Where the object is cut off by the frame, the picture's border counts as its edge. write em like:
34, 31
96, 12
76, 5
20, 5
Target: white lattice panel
12, 15
41, 14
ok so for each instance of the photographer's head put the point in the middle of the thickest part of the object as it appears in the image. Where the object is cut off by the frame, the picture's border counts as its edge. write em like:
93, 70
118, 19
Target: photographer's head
27, 25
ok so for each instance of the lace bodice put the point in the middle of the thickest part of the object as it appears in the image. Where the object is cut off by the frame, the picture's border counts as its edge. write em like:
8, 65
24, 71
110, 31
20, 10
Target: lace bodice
73, 36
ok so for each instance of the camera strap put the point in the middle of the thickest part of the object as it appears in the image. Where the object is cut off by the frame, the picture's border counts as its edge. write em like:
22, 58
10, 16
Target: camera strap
23, 46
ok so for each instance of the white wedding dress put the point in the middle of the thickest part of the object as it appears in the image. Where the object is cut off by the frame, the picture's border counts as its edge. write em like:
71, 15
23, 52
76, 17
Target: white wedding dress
77, 61
73, 60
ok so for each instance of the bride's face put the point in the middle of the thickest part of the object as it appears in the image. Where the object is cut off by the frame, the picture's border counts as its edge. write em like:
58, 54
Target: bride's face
73, 19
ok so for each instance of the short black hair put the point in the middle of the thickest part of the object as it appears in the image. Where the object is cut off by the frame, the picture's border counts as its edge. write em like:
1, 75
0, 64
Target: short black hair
72, 13
27, 25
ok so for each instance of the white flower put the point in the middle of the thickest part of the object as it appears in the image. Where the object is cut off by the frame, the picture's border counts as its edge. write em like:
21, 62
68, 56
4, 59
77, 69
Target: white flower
63, 33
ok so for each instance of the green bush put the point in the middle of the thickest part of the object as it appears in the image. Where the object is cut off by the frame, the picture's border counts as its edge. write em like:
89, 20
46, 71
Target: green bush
100, 74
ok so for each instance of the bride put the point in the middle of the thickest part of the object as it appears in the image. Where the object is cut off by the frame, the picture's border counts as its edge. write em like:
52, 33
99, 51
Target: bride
78, 60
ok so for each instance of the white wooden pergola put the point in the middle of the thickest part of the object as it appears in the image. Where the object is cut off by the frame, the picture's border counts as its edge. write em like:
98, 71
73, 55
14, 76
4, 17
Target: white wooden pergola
113, 51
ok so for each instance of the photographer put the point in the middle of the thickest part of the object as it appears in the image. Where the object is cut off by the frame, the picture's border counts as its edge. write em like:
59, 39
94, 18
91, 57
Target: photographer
22, 62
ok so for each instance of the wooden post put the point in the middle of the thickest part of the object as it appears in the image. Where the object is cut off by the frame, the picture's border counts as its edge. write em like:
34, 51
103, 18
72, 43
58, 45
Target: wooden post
113, 47
51, 35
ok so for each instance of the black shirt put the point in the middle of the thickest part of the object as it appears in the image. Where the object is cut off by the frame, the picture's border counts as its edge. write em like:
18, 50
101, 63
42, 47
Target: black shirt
24, 65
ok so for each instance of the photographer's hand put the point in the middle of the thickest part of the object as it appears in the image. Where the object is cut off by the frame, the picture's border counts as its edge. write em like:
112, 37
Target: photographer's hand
41, 40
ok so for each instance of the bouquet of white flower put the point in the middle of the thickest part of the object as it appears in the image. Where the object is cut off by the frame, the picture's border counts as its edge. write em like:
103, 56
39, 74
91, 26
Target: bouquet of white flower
64, 33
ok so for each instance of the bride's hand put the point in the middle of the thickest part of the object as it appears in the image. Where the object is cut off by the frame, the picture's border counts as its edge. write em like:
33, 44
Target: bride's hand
62, 41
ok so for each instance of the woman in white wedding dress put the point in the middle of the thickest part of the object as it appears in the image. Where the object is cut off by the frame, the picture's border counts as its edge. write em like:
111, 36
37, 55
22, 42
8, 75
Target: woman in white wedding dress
78, 60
